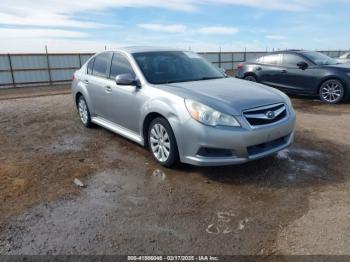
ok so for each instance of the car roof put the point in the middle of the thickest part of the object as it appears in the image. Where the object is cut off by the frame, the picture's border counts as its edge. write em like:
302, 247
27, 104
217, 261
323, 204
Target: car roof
144, 49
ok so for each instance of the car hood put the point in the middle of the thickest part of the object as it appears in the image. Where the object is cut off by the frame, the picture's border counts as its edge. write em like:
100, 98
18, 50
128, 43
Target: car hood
346, 67
228, 95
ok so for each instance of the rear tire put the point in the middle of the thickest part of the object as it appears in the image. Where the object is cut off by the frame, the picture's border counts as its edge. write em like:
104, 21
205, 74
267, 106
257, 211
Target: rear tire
84, 112
250, 78
332, 91
162, 143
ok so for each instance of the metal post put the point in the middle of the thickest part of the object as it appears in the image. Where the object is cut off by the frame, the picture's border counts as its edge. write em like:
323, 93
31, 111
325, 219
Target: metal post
233, 62
11, 70
220, 57
48, 65
245, 54
79, 60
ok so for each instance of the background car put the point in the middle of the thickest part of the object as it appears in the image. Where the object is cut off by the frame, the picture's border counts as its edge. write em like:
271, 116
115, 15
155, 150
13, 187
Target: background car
345, 58
182, 107
300, 72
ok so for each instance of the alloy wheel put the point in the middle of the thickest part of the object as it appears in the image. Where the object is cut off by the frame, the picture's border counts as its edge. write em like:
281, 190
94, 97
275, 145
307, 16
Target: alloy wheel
160, 142
83, 111
332, 91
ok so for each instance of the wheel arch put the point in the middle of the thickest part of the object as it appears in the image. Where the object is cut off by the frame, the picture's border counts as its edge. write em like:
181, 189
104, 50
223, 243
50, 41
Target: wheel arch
77, 96
80, 90
250, 73
146, 123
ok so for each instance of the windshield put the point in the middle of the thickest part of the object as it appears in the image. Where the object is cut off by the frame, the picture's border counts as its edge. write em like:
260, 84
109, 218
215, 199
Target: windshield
320, 59
175, 66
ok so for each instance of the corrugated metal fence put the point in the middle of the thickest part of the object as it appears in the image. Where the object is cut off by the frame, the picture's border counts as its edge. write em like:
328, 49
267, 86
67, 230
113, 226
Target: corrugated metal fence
36, 69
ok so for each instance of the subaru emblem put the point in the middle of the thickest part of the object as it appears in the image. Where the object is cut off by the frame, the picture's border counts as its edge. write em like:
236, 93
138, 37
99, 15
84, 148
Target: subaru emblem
270, 115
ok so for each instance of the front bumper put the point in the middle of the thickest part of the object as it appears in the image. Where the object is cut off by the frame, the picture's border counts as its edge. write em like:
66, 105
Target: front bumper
245, 143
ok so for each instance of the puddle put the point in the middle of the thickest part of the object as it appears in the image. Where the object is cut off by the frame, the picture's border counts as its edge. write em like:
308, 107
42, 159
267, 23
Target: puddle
67, 143
294, 152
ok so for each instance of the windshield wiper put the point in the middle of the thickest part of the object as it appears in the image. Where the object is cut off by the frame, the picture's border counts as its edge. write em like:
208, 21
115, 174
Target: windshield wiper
179, 81
190, 80
209, 78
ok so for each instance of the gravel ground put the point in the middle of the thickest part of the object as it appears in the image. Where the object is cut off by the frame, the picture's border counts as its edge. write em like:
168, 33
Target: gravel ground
297, 202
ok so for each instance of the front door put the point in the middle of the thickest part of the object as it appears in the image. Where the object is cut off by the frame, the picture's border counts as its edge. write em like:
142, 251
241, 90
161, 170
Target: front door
295, 79
124, 101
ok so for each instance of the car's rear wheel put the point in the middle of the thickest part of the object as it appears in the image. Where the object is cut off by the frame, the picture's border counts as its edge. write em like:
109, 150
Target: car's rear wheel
84, 112
162, 142
250, 78
332, 91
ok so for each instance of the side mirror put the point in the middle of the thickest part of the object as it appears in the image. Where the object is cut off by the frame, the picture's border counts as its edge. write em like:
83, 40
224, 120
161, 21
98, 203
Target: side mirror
127, 80
302, 65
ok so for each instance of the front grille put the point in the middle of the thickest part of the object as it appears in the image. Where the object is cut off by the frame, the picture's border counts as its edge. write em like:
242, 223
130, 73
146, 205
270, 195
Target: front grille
265, 115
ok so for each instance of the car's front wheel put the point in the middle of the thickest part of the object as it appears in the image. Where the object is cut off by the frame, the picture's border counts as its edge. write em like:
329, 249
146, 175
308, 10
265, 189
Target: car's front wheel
84, 112
162, 142
332, 91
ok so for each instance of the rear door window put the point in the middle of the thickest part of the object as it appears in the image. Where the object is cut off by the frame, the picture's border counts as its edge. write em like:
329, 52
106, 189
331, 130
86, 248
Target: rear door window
90, 66
101, 64
274, 59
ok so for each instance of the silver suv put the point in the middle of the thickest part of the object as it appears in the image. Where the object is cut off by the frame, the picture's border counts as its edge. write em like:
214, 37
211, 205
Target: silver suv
182, 107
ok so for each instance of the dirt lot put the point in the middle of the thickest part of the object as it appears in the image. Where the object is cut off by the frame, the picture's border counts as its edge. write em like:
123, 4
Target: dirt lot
297, 202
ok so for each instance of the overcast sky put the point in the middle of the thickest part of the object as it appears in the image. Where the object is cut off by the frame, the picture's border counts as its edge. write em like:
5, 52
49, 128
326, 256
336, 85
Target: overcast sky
202, 25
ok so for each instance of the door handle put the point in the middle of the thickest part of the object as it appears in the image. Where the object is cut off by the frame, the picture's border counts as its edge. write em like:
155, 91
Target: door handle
258, 68
86, 81
283, 71
108, 89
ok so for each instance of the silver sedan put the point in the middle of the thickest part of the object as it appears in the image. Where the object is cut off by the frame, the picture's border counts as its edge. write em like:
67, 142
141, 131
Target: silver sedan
182, 107
345, 58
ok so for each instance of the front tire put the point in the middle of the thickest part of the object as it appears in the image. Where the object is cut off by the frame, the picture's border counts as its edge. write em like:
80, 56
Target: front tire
162, 142
332, 91
84, 112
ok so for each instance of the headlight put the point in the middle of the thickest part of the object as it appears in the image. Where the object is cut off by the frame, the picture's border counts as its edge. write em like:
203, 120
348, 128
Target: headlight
208, 116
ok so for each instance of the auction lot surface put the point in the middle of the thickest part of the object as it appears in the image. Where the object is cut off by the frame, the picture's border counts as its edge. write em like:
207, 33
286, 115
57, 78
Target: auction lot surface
297, 202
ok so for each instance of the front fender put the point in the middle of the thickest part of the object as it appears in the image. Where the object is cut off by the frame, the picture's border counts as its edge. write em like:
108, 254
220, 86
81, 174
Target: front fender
171, 108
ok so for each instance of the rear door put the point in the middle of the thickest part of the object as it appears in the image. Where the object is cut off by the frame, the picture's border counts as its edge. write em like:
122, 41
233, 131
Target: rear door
96, 84
269, 70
